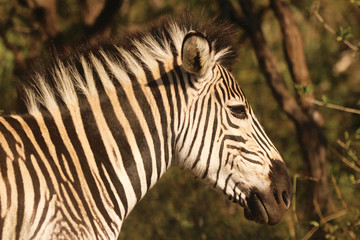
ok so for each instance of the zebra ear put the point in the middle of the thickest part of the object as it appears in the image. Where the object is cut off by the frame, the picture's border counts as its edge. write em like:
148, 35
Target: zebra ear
196, 53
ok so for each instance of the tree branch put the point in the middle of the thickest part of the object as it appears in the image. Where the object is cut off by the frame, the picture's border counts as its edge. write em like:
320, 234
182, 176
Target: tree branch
105, 17
330, 29
269, 65
46, 14
307, 119
295, 57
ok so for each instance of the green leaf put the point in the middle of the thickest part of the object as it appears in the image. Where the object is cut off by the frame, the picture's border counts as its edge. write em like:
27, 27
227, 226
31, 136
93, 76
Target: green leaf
357, 132
297, 86
352, 179
348, 143
307, 89
302, 89
314, 223
344, 33
324, 99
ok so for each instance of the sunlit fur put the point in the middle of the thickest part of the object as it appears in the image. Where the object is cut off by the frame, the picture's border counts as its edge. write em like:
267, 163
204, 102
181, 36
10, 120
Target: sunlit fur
106, 123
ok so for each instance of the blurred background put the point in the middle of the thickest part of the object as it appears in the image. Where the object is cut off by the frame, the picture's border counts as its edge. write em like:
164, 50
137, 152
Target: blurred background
298, 64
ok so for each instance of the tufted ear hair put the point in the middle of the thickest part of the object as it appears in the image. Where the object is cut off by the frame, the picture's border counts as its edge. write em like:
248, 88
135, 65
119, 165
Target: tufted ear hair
196, 53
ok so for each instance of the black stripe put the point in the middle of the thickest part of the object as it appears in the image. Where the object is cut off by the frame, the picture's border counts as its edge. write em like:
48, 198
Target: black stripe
186, 133
31, 122
128, 158
258, 129
11, 143
154, 88
42, 219
214, 129
101, 159
180, 75
28, 150
145, 107
141, 142
227, 182
221, 149
176, 83
251, 160
60, 149
20, 198
197, 159
260, 143
226, 84
74, 138
224, 94
168, 148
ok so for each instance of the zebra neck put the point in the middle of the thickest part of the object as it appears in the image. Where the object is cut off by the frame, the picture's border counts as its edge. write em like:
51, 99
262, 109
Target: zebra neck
130, 147
108, 155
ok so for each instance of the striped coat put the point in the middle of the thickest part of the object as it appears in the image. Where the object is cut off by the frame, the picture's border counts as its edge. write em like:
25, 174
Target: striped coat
106, 123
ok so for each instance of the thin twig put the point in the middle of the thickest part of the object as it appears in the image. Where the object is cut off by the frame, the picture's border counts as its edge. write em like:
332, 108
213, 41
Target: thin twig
349, 151
318, 210
347, 162
291, 226
334, 216
293, 200
329, 28
333, 106
338, 192
310, 233
323, 221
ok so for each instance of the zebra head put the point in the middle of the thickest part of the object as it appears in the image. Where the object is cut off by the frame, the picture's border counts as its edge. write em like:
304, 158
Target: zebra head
222, 141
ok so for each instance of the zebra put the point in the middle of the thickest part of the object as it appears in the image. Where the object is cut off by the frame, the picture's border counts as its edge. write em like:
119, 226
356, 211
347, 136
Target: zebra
104, 124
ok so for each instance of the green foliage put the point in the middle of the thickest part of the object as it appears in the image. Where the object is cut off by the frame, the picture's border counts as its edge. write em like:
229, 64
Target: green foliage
344, 33
324, 99
303, 90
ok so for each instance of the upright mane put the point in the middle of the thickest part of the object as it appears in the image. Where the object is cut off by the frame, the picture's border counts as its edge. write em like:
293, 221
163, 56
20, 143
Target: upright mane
66, 80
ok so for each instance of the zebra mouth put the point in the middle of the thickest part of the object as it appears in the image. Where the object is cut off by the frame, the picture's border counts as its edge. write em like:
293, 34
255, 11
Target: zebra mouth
255, 209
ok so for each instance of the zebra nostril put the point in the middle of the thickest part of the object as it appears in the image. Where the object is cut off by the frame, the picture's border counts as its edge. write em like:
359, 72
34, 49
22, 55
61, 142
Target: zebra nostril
282, 189
286, 199
275, 192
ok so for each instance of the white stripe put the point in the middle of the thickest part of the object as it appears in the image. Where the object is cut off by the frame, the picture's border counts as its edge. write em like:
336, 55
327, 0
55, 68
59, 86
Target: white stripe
5, 146
130, 94
140, 74
67, 142
39, 151
28, 200
10, 221
51, 147
130, 137
109, 141
19, 146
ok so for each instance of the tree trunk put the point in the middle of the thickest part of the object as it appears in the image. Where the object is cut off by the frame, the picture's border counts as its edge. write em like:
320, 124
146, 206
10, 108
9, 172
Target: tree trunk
312, 139
307, 119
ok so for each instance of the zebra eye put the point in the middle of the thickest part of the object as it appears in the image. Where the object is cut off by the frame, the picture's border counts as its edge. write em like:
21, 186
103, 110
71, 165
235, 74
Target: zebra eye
239, 111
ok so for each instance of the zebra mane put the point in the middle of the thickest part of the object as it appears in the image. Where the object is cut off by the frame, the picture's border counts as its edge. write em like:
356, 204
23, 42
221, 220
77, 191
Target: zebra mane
66, 80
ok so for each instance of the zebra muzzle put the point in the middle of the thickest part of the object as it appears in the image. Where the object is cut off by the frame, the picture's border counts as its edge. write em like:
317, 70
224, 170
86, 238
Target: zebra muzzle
269, 206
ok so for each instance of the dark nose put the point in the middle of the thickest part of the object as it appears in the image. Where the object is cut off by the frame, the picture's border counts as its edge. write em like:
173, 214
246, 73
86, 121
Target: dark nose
280, 183
269, 206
